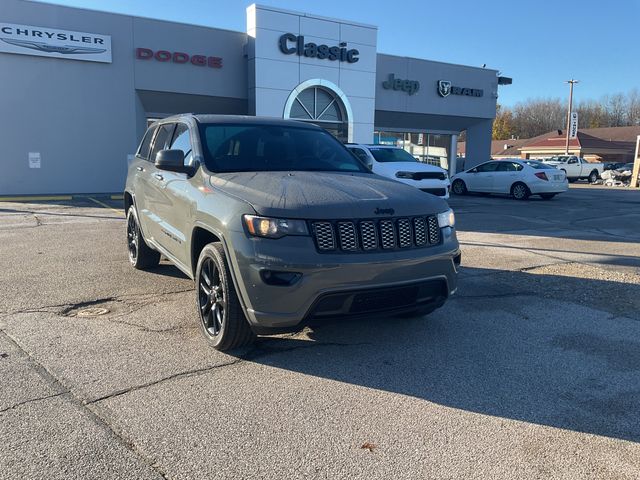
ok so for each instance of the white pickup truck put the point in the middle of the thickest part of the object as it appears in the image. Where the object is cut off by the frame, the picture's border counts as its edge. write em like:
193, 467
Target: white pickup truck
576, 168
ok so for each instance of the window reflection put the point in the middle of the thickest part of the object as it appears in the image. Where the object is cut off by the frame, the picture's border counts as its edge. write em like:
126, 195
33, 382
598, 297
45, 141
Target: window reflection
426, 147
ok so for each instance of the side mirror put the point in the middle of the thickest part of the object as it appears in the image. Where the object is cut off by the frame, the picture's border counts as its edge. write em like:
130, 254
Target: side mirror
172, 161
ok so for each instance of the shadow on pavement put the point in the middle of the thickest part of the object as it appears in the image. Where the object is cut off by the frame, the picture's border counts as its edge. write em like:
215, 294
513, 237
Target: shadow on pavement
519, 350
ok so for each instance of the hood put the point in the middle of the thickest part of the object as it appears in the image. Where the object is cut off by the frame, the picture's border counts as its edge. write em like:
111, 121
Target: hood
407, 167
326, 195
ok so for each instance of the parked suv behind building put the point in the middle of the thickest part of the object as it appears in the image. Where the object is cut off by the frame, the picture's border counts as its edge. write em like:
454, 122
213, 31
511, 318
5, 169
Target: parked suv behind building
279, 225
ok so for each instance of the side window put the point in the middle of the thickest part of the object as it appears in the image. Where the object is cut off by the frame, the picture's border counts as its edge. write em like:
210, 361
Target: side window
161, 142
361, 154
487, 167
508, 167
182, 141
143, 151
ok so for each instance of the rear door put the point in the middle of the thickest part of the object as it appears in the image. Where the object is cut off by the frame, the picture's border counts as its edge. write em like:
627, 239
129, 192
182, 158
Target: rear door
506, 175
153, 185
139, 168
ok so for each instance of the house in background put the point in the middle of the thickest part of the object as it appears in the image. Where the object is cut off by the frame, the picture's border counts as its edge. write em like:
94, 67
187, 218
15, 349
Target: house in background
610, 144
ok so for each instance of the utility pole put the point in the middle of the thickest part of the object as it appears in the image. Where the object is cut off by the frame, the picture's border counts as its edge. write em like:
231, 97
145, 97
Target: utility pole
571, 83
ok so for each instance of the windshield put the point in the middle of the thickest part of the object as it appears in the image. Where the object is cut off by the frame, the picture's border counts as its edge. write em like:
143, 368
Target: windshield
391, 155
538, 165
262, 148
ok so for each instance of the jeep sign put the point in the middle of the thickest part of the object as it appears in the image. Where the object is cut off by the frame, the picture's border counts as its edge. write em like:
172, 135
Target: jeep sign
408, 86
53, 42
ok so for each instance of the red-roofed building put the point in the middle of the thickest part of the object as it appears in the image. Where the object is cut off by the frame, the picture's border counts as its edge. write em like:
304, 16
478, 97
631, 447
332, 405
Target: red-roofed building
611, 144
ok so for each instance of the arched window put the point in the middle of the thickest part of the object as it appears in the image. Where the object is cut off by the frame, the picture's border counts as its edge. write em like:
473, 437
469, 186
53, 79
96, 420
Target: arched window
324, 108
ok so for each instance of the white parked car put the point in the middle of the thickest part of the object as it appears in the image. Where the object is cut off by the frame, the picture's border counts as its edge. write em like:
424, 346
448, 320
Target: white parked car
400, 165
516, 177
577, 168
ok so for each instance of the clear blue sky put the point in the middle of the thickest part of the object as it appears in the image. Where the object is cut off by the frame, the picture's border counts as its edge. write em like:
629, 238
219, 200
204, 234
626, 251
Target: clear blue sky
537, 43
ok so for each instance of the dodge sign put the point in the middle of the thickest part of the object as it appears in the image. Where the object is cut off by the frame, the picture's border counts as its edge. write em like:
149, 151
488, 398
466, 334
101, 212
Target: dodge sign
53, 42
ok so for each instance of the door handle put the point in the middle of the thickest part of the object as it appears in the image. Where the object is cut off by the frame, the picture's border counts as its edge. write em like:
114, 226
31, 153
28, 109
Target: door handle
140, 169
158, 176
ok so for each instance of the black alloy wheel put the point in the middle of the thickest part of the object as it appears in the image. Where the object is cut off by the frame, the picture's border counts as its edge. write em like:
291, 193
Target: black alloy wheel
222, 319
141, 255
133, 236
211, 298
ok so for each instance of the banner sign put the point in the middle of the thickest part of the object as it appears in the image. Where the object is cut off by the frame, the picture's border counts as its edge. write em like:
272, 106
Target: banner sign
573, 125
52, 42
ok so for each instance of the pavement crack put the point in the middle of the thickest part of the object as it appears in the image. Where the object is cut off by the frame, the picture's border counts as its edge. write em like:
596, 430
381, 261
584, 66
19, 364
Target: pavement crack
115, 434
188, 373
32, 400
255, 353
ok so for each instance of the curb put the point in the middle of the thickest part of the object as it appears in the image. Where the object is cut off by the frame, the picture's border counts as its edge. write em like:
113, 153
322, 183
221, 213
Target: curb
48, 198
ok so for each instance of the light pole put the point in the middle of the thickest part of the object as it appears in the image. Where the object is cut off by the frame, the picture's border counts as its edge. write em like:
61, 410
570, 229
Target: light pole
571, 83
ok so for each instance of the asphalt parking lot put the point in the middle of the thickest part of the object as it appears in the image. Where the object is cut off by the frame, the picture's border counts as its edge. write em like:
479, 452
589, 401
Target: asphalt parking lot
531, 371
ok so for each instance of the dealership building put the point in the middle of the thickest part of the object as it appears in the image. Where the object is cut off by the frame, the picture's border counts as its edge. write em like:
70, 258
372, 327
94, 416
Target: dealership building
79, 88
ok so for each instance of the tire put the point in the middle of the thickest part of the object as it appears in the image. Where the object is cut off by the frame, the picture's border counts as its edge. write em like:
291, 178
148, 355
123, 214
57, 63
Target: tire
594, 176
520, 191
221, 317
459, 187
547, 196
141, 255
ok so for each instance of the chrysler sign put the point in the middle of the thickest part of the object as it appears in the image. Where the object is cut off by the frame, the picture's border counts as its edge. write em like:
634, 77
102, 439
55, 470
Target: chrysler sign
52, 42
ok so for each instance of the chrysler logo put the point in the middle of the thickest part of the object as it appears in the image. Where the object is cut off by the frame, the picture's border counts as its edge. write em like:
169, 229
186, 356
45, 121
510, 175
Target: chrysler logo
46, 47
444, 87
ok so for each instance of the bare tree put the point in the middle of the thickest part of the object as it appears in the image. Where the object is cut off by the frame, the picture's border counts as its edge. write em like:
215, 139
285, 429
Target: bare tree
537, 116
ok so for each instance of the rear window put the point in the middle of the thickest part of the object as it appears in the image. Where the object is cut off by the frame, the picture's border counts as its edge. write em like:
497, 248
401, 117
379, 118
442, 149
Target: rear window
385, 155
538, 165
262, 148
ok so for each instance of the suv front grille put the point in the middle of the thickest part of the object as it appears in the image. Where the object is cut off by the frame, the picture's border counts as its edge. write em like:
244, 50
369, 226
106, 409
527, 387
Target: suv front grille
371, 235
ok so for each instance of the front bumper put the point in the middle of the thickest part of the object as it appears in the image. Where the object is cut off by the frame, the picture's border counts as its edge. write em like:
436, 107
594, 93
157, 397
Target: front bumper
338, 284
439, 188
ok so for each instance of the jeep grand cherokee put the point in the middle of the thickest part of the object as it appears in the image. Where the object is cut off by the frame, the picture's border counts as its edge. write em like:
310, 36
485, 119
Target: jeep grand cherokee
279, 225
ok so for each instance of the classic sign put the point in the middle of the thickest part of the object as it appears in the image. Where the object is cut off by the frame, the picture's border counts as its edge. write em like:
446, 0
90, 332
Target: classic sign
445, 88
52, 42
408, 86
290, 44
178, 57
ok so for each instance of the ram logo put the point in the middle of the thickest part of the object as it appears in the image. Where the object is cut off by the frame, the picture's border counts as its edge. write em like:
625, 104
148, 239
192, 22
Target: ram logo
444, 88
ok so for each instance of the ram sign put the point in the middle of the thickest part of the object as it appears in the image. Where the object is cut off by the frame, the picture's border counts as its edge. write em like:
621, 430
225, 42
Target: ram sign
52, 42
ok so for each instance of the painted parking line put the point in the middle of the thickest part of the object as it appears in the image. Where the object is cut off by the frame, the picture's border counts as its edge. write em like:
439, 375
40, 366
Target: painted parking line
36, 198
119, 212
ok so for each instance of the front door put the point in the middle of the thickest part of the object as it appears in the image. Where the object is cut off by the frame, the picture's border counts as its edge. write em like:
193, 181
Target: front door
482, 180
175, 210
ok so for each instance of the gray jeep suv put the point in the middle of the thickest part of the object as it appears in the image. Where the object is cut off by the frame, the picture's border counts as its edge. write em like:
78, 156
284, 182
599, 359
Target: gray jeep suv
280, 225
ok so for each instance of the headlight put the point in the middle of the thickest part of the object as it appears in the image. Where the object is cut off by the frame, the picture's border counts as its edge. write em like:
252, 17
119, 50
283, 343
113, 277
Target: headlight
446, 219
404, 174
274, 227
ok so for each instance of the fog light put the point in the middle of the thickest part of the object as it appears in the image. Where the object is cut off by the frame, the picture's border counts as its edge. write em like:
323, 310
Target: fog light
280, 279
